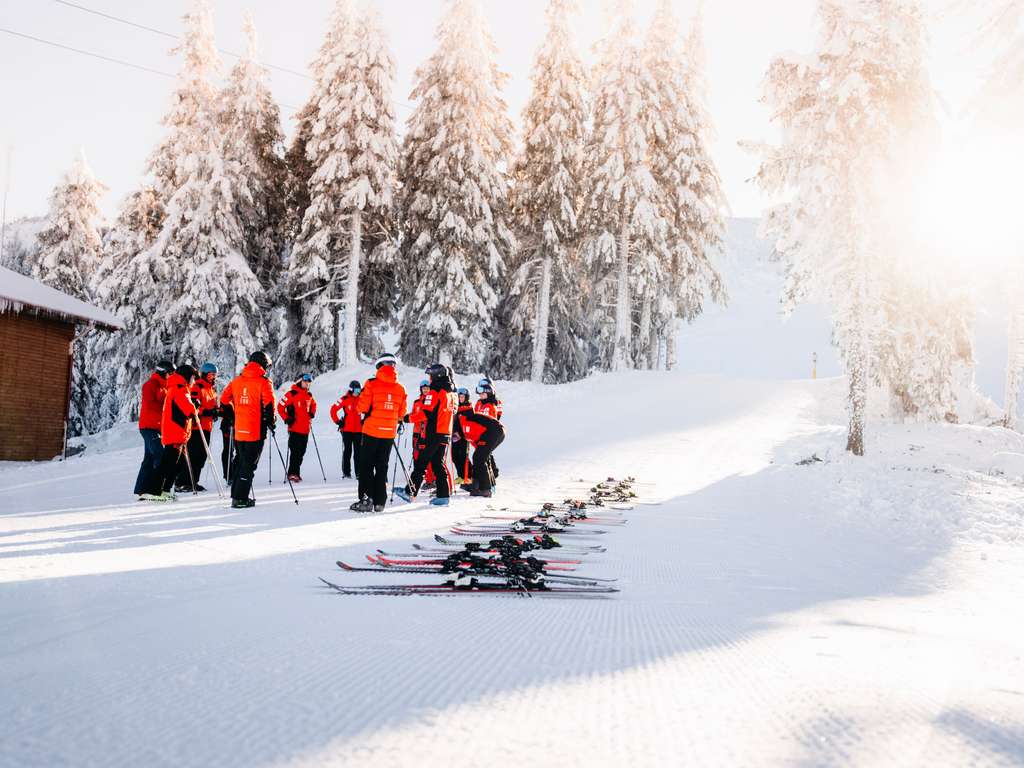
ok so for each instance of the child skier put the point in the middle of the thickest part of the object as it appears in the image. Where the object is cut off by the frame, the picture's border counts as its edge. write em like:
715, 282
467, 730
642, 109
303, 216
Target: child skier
383, 401
204, 395
176, 423
297, 409
436, 415
460, 446
251, 398
345, 414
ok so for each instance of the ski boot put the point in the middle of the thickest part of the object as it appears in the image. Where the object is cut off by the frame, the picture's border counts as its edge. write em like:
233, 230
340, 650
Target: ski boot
440, 501
363, 505
242, 503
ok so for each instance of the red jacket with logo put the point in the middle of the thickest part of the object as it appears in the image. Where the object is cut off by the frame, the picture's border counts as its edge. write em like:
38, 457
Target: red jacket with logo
384, 401
489, 405
179, 412
151, 407
297, 408
435, 415
205, 397
348, 406
476, 425
251, 396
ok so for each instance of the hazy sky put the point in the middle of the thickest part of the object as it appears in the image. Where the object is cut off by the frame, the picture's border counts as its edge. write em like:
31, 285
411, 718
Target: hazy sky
55, 100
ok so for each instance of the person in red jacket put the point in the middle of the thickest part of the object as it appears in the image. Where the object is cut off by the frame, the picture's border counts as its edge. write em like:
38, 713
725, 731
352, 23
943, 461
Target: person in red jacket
345, 413
419, 429
485, 434
151, 407
383, 401
460, 446
297, 409
436, 416
251, 398
489, 405
204, 395
176, 422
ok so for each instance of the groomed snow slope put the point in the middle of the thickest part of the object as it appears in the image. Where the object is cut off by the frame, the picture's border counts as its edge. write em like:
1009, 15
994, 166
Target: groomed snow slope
847, 612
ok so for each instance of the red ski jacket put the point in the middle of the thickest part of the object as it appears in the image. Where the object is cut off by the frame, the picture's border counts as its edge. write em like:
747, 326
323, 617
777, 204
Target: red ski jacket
205, 397
252, 398
489, 405
349, 420
179, 412
297, 408
384, 401
151, 407
475, 427
436, 413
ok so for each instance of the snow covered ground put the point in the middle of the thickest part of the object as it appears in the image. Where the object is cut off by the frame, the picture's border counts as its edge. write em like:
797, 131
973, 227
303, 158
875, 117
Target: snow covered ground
838, 612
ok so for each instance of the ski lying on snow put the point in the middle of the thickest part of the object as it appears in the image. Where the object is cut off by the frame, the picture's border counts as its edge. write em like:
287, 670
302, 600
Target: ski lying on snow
495, 531
479, 589
586, 547
409, 569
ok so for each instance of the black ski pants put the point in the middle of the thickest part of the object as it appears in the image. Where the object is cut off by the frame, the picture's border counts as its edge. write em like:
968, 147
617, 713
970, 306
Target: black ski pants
247, 453
167, 471
460, 456
227, 455
351, 441
375, 453
297, 444
434, 454
482, 465
154, 450
197, 456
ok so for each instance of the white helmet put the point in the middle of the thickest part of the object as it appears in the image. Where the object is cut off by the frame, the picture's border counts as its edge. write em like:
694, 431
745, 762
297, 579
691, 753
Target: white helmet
386, 359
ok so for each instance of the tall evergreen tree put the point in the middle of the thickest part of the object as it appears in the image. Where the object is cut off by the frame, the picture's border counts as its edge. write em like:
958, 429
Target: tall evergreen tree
622, 210
254, 144
544, 317
66, 258
688, 182
454, 200
843, 111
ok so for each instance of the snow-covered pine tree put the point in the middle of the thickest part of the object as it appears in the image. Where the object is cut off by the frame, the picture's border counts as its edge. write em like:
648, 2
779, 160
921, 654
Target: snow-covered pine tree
191, 295
254, 143
454, 199
842, 110
621, 210
67, 256
691, 193
313, 267
545, 318
998, 113
115, 365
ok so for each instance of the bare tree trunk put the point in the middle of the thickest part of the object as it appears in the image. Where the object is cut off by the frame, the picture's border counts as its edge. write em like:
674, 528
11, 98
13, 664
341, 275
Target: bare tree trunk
671, 352
644, 334
623, 319
1014, 364
540, 333
857, 369
348, 353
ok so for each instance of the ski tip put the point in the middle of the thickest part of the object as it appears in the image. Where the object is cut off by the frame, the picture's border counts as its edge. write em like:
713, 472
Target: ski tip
372, 559
344, 566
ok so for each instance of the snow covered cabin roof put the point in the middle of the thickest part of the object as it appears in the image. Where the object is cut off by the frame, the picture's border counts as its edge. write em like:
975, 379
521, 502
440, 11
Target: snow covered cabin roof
18, 292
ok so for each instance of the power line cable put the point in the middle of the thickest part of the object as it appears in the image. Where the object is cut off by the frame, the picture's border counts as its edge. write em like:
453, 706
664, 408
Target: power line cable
88, 53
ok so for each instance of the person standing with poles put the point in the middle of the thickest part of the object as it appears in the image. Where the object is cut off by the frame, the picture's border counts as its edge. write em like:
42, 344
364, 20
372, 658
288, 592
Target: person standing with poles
151, 408
436, 414
251, 397
383, 401
176, 423
204, 395
297, 409
345, 414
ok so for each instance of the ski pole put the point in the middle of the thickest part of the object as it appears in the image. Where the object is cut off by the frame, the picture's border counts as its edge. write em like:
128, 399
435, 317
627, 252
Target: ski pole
273, 436
288, 458
191, 475
394, 474
270, 465
317, 449
209, 456
231, 456
408, 480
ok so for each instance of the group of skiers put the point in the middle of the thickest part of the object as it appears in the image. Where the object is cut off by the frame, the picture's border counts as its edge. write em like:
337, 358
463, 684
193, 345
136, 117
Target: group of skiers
179, 405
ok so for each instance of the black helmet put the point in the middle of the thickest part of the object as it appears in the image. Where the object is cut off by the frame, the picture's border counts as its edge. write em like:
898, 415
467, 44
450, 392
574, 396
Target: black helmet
354, 385
261, 359
435, 369
187, 372
164, 367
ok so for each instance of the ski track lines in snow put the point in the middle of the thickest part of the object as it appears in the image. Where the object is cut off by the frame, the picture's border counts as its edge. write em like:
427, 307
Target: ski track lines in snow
758, 623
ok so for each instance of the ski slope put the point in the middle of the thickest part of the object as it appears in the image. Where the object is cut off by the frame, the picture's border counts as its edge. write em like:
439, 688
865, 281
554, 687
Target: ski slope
842, 612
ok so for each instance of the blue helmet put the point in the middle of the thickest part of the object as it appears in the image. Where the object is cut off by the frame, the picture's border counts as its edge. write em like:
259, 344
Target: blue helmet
305, 377
463, 391
424, 383
207, 368
484, 386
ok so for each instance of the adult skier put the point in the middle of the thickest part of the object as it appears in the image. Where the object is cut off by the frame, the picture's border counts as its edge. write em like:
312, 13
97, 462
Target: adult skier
485, 434
488, 404
460, 446
151, 408
251, 398
297, 409
176, 422
204, 395
436, 415
383, 401
345, 413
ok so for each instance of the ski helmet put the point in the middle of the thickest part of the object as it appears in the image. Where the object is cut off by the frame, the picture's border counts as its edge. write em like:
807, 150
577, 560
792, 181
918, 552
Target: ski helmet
435, 369
463, 391
261, 359
354, 385
164, 367
305, 377
186, 371
386, 359
207, 368
484, 389
424, 383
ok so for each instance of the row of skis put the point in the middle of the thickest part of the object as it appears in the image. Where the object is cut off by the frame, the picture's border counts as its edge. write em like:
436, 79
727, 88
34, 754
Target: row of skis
506, 551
